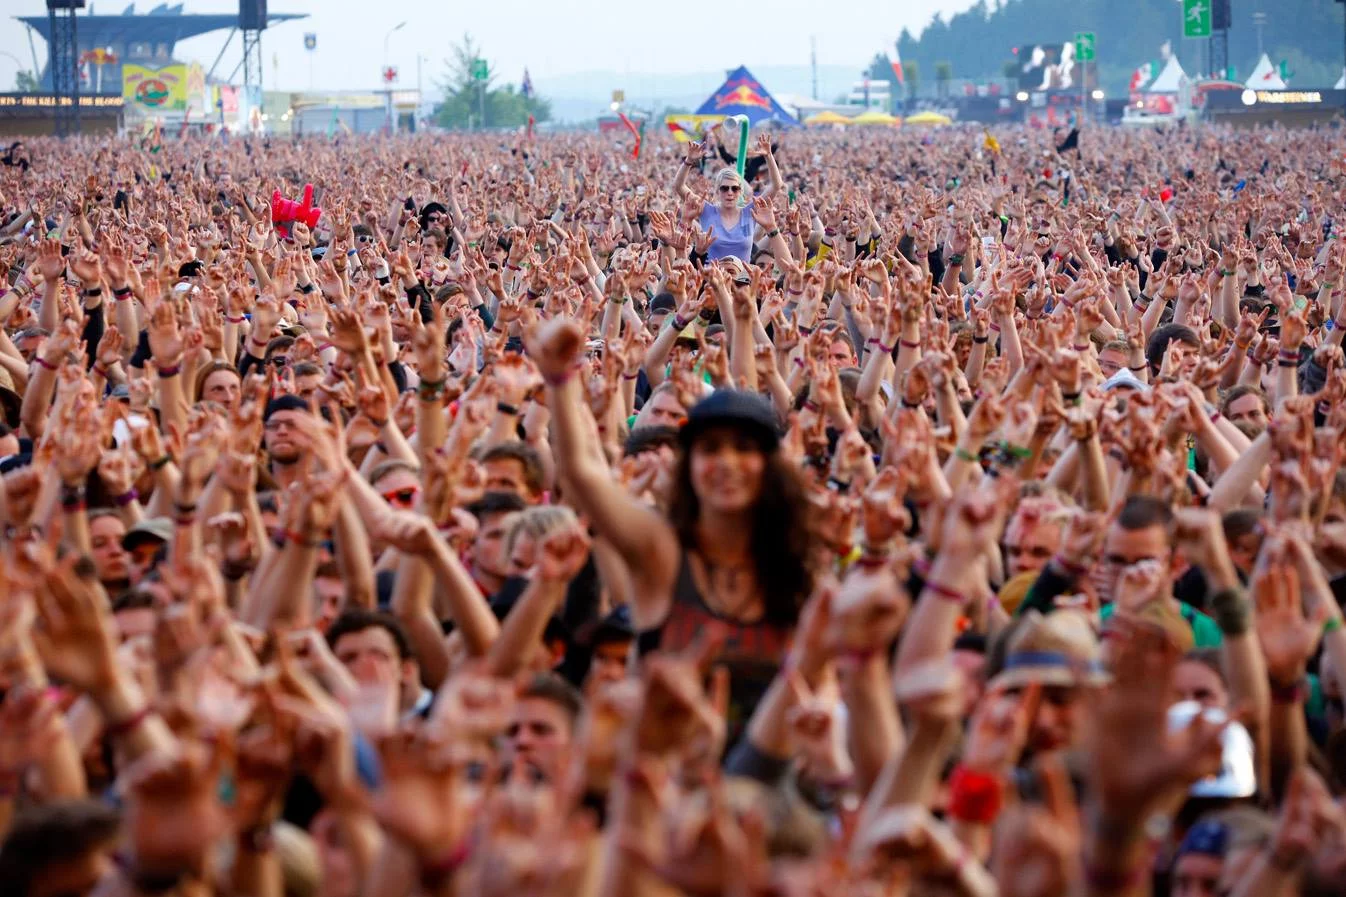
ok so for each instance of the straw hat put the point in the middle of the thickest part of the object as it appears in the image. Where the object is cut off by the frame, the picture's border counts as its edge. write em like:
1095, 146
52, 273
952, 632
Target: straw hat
1057, 649
1015, 590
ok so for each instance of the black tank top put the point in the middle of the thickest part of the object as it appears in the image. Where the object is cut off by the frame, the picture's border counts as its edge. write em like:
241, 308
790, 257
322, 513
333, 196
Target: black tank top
752, 653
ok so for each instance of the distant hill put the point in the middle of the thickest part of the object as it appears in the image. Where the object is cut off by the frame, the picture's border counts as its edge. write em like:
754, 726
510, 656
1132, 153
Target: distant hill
977, 43
585, 95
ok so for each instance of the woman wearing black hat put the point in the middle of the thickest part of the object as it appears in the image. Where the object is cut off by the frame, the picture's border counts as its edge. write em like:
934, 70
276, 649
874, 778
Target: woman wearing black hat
735, 548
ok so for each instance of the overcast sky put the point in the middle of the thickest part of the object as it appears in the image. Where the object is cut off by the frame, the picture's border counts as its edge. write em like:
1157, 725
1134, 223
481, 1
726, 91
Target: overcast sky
550, 37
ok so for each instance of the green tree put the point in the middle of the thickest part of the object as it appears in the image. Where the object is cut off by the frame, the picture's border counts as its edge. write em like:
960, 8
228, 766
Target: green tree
880, 68
469, 103
943, 75
26, 82
911, 71
979, 40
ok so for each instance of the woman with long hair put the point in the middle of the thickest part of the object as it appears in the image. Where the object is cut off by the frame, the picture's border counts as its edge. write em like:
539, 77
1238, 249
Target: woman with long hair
735, 549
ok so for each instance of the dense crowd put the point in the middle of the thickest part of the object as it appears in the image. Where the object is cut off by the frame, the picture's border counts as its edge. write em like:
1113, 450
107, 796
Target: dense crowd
904, 513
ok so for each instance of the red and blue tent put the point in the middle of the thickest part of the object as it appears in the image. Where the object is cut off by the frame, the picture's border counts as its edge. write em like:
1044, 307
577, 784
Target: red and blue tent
742, 94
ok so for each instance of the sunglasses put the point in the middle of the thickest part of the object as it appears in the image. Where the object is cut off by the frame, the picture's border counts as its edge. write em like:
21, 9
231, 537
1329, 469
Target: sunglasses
728, 188
402, 496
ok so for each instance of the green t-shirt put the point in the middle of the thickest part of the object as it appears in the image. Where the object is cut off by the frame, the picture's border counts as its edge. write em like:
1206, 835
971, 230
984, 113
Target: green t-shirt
1205, 631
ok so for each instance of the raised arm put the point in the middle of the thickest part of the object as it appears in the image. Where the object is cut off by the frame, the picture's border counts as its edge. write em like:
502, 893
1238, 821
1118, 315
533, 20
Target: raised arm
644, 539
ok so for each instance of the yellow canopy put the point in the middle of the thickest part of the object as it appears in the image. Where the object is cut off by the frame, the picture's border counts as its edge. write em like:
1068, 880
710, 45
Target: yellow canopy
827, 118
929, 118
875, 117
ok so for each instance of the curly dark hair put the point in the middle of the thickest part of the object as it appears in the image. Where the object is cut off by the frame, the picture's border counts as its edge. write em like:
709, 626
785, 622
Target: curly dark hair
782, 545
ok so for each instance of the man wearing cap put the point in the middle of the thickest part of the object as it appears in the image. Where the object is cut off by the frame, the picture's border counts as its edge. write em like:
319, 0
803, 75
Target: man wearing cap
1060, 653
144, 542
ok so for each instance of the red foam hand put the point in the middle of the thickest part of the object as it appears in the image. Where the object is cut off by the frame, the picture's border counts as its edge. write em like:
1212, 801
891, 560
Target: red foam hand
287, 211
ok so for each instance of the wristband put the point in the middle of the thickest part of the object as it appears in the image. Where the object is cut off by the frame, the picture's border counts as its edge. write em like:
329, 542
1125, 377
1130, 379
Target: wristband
1331, 624
507, 408
307, 288
170, 370
1231, 611
944, 592
980, 340
995, 327
161, 463
909, 344
1137, 369
955, 260
562, 378
114, 730
430, 390
974, 796
838, 485
122, 295
72, 498
44, 363
771, 234
964, 455
679, 324
1292, 693
126, 498
297, 538
95, 291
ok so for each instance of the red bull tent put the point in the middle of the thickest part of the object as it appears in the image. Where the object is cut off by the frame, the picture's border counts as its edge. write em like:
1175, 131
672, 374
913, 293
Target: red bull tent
742, 94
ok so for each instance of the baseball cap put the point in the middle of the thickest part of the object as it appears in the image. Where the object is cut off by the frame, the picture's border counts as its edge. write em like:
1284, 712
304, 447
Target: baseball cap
734, 408
148, 529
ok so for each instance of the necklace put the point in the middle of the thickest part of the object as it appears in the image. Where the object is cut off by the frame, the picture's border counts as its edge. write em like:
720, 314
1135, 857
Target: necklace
725, 585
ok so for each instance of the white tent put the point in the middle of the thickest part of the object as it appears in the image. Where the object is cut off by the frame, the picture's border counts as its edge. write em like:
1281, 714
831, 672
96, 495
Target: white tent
1170, 80
1341, 82
1265, 76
